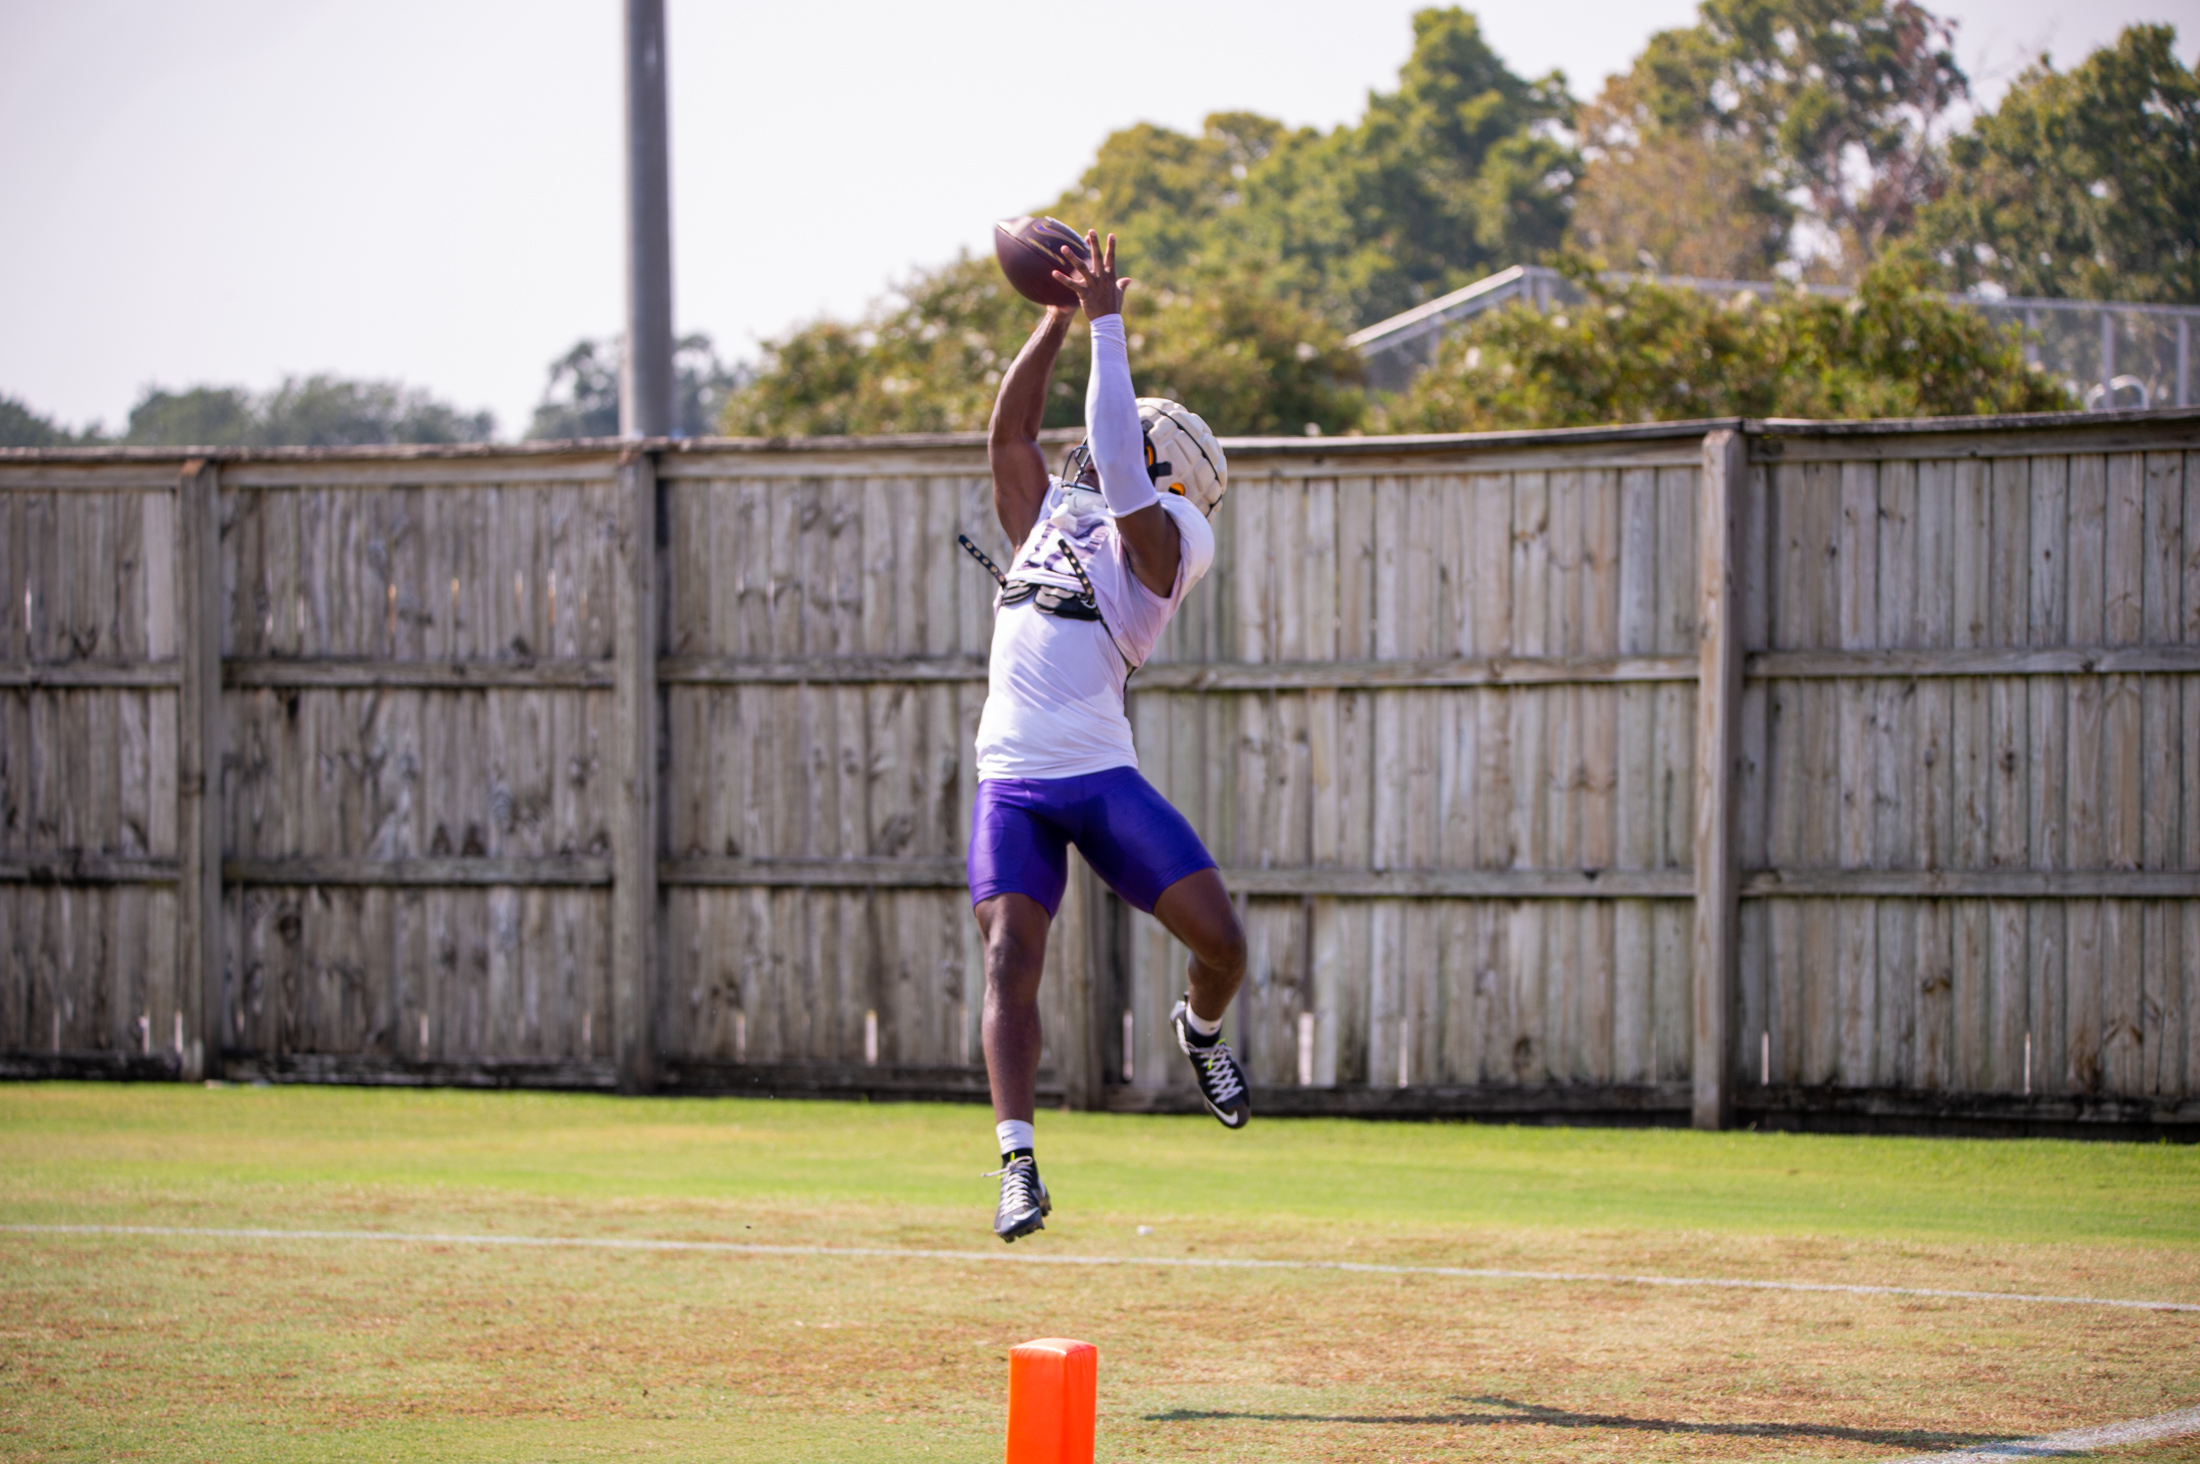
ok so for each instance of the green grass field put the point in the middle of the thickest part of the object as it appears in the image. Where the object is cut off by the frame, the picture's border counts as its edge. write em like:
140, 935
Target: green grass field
196, 1347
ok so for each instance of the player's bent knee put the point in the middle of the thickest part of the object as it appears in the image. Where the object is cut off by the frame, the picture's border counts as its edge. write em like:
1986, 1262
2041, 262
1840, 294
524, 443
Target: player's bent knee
1197, 911
1224, 949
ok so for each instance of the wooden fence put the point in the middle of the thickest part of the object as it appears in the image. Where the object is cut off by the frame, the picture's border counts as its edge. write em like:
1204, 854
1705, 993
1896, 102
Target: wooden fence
1802, 774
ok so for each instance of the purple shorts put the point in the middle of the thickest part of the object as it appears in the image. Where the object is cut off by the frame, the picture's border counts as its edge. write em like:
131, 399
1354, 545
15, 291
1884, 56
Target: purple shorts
1021, 830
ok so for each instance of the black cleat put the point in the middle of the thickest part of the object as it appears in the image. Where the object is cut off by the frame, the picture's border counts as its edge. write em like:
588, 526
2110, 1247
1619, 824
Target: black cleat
1024, 1203
1221, 1080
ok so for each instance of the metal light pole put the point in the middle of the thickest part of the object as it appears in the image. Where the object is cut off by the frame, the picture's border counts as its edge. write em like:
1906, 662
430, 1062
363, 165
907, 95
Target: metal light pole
645, 377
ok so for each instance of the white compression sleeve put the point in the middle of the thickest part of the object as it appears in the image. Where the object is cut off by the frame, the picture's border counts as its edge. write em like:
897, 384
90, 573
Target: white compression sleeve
1111, 421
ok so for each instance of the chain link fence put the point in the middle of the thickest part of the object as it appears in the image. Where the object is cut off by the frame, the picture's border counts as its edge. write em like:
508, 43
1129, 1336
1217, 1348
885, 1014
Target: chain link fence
2111, 355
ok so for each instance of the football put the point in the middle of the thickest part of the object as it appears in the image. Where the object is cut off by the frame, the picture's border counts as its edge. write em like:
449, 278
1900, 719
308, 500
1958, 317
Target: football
1030, 252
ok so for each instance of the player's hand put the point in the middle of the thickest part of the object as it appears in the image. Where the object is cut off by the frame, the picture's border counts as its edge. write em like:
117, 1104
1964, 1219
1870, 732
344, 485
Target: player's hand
1096, 287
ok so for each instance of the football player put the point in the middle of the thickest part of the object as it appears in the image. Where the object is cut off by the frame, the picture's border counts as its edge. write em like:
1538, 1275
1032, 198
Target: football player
1106, 552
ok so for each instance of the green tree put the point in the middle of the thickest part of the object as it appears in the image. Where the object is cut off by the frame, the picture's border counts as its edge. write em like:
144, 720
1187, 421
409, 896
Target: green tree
2082, 184
1245, 358
1256, 247
1250, 361
925, 360
331, 411
1470, 147
1685, 196
1458, 171
1680, 203
309, 411
1833, 101
1165, 189
582, 397
197, 416
1640, 352
23, 426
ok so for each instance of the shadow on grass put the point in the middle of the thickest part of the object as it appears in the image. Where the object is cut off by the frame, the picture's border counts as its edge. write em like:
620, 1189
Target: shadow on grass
1530, 1413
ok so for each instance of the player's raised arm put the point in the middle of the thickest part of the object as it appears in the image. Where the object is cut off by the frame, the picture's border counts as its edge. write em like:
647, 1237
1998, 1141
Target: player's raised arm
1012, 446
1111, 421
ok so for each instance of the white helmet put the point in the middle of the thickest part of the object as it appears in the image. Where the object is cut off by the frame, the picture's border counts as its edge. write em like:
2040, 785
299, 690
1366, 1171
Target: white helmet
1182, 454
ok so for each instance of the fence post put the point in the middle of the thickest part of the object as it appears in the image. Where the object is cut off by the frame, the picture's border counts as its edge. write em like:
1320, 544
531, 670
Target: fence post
199, 767
1718, 751
634, 773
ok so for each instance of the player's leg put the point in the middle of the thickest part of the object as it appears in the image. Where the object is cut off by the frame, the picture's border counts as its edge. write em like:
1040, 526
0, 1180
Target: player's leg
1197, 911
1018, 865
1015, 930
1148, 853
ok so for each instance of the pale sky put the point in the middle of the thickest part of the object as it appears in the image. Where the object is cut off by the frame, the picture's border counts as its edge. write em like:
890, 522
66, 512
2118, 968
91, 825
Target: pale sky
226, 191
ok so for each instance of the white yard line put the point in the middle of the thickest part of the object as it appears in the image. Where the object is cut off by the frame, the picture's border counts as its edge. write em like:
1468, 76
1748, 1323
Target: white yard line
2073, 1441
1029, 1258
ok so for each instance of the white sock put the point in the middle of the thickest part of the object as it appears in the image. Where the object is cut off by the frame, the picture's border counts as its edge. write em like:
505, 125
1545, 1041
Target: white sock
1014, 1134
1199, 1023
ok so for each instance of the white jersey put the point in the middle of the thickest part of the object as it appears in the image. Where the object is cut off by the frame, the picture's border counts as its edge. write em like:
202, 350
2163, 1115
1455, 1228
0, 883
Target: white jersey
1054, 699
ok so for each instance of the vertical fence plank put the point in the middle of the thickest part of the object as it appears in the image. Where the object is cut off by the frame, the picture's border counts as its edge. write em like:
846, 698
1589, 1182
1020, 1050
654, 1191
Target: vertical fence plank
1537, 1049
1595, 779
1971, 742
2122, 793
1857, 957
2083, 776
1079, 1039
1821, 566
2160, 624
1786, 625
633, 813
198, 767
1639, 830
1673, 774
2046, 705
1893, 783
1718, 745
2008, 792
2189, 760
2161, 776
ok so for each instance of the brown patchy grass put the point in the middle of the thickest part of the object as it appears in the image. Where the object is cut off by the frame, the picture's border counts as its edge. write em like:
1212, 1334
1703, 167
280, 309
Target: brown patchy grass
327, 1348
2169, 1451
196, 1348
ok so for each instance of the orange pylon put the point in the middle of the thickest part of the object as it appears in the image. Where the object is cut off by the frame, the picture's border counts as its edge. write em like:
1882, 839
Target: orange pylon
1051, 1385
